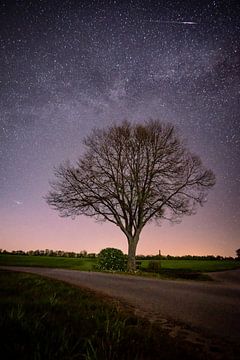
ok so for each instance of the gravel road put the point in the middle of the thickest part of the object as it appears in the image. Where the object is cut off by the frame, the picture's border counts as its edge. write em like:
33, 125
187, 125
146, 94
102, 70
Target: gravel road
187, 308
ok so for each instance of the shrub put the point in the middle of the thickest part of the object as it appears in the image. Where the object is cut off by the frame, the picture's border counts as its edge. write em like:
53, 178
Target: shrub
138, 264
154, 266
111, 259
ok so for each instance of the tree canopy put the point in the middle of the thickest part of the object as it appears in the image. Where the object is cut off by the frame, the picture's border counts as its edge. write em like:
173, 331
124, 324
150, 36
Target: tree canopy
131, 174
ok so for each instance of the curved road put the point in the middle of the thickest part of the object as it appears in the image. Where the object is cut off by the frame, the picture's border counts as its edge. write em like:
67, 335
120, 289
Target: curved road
211, 309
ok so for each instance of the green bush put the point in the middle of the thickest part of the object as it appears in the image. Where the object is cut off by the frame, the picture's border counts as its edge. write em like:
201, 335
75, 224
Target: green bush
154, 266
111, 259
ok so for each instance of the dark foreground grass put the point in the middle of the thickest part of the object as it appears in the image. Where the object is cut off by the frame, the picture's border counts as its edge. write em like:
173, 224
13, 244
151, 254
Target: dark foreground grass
48, 319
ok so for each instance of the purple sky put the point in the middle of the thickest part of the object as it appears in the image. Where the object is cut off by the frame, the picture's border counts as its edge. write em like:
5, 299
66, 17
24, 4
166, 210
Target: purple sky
69, 66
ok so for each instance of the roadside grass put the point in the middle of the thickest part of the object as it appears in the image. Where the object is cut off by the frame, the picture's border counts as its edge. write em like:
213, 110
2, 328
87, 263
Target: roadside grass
48, 319
176, 274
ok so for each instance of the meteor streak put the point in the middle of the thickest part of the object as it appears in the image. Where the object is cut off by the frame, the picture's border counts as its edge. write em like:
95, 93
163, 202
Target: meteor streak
173, 22
17, 202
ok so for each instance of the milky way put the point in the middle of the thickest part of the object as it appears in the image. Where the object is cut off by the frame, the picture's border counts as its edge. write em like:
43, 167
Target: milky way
69, 66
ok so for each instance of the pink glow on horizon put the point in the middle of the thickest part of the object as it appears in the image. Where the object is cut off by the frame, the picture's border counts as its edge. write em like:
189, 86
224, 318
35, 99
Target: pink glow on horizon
42, 228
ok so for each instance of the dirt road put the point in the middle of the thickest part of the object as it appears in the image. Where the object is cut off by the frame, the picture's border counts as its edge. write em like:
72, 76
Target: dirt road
199, 311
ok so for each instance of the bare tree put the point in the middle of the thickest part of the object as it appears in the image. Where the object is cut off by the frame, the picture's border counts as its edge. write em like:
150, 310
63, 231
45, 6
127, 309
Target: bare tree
129, 175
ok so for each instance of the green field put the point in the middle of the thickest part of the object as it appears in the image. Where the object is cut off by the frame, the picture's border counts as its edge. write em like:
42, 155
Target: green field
45, 319
198, 265
84, 264
87, 264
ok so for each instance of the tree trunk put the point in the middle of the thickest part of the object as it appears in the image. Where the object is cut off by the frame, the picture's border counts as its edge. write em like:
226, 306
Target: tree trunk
132, 246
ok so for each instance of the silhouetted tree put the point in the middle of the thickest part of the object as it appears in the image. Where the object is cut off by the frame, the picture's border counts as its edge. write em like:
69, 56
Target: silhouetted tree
129, 175
238, 254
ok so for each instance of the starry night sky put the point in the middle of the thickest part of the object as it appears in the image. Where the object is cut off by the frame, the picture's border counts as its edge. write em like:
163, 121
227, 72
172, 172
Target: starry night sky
69, 66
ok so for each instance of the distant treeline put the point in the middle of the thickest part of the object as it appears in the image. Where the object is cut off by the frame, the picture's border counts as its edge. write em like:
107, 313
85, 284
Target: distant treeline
84, 254
184, 257
47, 252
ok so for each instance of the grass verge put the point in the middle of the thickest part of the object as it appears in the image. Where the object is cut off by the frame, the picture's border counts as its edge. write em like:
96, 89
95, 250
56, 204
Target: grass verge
177, 274
46, 319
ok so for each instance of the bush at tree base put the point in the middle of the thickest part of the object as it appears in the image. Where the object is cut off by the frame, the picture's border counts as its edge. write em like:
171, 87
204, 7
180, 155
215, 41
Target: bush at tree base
153, 266
111, 259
